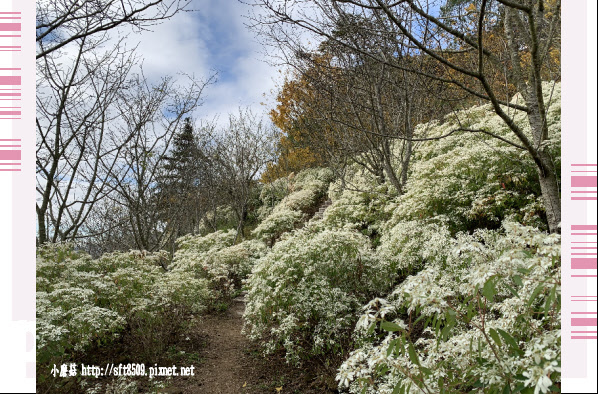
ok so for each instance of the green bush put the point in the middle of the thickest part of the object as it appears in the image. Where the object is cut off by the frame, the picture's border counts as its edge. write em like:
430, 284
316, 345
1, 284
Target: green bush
216, 259
83, 302
303, 295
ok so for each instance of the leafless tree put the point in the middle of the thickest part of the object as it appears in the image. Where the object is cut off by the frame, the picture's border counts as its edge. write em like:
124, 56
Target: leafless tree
152, 114
60, 22
241, 151
460, 47
77, 146
83, 90
371, 109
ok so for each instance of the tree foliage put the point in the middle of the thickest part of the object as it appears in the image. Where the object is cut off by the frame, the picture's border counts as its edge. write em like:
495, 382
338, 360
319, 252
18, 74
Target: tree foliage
443, 39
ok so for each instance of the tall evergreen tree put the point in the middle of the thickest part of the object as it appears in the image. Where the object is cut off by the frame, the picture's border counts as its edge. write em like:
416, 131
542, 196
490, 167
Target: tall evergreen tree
180, 184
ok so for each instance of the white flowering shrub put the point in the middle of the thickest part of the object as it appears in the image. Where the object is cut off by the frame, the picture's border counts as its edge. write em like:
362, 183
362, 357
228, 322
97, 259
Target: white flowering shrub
307, 191
410, 245
303, 295
83, 302
359, 202
204, 243
271, 194
216, 259
484, 317
281, 220
471, 180
314, 178
118, 385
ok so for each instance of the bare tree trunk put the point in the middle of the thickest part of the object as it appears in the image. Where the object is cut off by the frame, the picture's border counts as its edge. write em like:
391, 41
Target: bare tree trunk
390, 172
41, 224
547, 176
407, 150
241, 225
552, 199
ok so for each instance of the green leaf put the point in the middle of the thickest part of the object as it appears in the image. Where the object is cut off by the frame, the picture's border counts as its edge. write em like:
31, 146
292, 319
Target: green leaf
397, 388
517, 280
391, 346
489, 289
555, 389
549, 300
371, 328
535, 293
510, 340
425, 370
382, 370
389, 326
399, 347
495, 337
445, 333
419, 319
519, 387
413, 354
470, 311
512, 290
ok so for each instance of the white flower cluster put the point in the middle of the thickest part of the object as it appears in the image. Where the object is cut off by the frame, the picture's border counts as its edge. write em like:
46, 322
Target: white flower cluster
216, 259
490, 308
303, 296
308, 188
314, 178
470, 179
119, 385
475, 303
359, 203
81, 300
410, 244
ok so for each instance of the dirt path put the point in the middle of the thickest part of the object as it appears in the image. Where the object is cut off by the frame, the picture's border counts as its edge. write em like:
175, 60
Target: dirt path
223, 364
230, 363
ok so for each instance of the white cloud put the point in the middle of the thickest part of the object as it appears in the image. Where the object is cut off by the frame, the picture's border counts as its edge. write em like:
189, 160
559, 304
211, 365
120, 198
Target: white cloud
174, 46
212, 39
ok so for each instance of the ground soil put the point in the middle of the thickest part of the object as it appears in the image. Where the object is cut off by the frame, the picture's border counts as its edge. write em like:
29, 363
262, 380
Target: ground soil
224, 361
229, 363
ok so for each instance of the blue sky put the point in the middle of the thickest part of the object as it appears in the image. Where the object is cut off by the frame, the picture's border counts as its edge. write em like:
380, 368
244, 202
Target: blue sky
213, 39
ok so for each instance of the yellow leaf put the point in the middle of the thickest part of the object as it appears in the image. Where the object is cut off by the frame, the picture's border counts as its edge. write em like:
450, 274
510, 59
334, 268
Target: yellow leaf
279, 389
245, 384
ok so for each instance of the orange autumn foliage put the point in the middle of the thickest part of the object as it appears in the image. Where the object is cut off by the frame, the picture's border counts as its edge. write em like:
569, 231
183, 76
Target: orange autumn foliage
296, 115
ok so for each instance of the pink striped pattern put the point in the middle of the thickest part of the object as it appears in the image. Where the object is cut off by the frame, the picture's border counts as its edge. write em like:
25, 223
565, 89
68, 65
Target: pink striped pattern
587, 322
10, 155
583, 252
583, 264
10, 91
13, 27
584, 182
10, 80
584, 322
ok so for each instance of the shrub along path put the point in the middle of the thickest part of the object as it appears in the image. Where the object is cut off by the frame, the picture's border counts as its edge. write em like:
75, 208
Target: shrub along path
230, 363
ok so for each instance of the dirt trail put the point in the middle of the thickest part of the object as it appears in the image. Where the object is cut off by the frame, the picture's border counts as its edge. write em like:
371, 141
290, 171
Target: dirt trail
231, 364
224, 364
